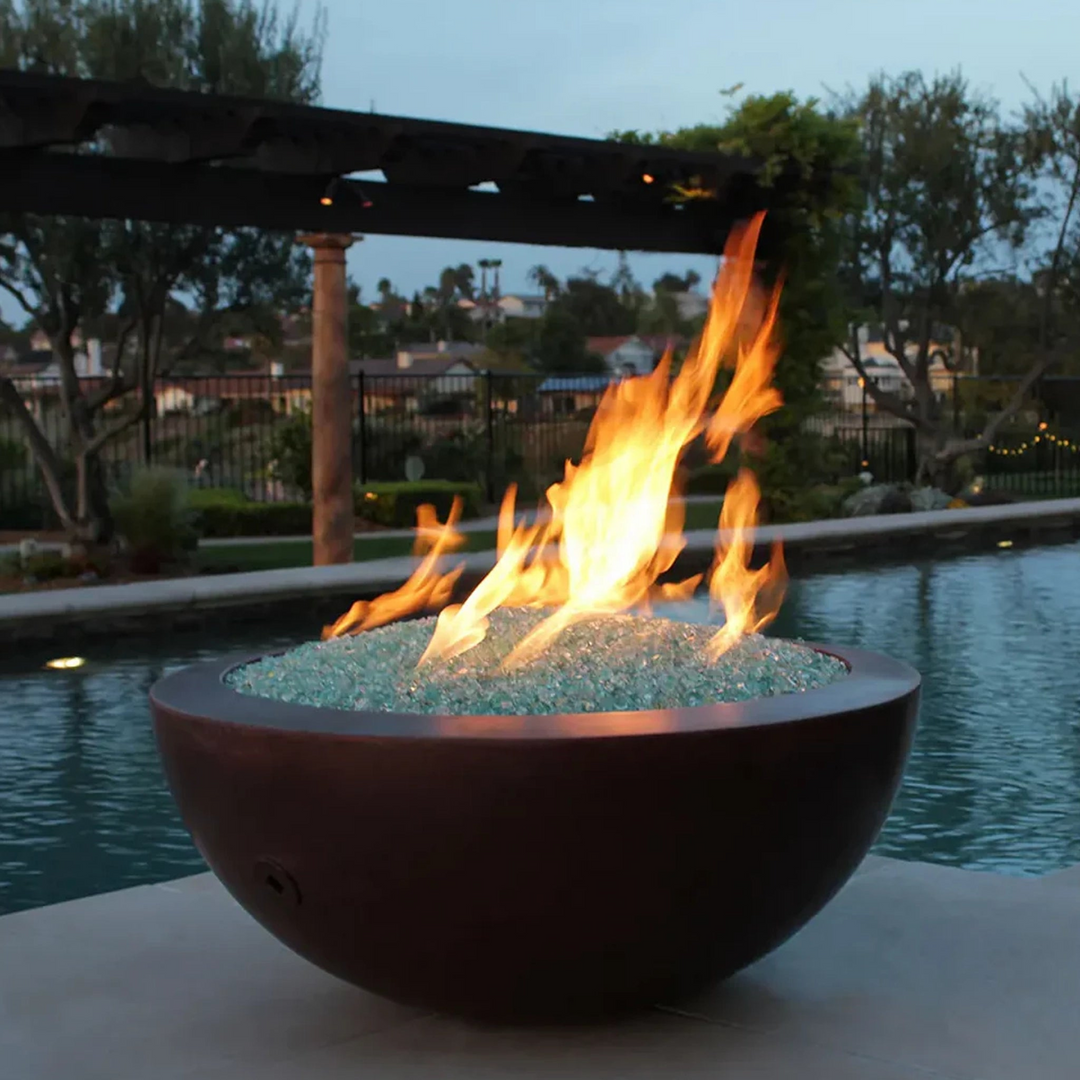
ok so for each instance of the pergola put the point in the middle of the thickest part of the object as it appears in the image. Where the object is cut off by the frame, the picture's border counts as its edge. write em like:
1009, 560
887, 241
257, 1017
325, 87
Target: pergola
134, 151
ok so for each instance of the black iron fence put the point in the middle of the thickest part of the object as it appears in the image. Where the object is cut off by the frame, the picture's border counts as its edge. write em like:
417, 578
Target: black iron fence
1037, 453
252, 433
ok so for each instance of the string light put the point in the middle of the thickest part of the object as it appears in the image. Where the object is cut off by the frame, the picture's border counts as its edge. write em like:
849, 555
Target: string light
1043, 436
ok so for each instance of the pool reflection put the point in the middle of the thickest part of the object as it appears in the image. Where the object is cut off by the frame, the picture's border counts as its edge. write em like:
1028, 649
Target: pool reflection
993, 782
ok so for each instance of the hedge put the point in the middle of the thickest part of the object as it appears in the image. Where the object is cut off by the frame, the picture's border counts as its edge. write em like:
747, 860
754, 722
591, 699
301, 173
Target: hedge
395, 503
224, 512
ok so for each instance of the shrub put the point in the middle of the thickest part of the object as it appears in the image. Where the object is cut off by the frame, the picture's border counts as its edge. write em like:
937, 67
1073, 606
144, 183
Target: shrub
155, 519
41, 566
223, 512
803, 477
811, 504
710, 479
198, 498
290, 450
465, 455
395, 503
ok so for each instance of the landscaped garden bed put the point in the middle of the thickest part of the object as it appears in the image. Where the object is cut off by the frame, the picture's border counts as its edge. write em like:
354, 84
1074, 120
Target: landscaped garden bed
161, 525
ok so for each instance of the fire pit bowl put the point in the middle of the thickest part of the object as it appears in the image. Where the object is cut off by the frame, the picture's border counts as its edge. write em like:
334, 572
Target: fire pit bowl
523, 868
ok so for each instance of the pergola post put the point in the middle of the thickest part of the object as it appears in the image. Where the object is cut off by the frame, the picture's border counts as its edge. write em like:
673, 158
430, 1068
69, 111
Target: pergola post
331, 402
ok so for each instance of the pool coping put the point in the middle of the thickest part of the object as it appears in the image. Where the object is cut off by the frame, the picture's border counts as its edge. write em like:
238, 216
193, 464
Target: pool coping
37, 614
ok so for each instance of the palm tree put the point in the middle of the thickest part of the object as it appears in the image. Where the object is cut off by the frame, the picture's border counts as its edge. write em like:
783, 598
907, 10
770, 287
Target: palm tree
463, 278
446, 293
544, 279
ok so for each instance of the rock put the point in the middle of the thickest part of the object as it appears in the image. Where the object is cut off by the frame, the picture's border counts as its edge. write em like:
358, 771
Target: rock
877, 499
929, 498
895, 501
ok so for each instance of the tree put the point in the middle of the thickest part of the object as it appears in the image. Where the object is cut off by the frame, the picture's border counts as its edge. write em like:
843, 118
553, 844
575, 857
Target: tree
1053, 128
367, 335
70, 273
997, 326
560, 345
811, 153
662, 315
513, 343
444, 303
464, 281
949, 194
545, 280
673, 283
597, 308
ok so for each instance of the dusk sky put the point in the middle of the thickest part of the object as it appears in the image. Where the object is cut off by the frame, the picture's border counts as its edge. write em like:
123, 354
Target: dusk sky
586, 67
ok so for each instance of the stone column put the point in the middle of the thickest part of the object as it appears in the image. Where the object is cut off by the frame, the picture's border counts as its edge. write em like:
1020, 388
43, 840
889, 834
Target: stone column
331, 403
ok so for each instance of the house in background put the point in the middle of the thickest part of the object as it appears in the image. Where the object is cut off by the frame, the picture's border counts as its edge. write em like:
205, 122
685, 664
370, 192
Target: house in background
409, 381
512, 306
568, 395
523, 306
89, 356
628, 354
842, 384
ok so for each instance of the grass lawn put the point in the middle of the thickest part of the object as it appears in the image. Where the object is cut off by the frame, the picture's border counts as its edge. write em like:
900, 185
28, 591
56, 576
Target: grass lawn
702, 515
279, 555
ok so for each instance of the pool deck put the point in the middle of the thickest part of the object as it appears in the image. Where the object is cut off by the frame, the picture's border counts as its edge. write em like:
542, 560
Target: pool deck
120, 608
914, 972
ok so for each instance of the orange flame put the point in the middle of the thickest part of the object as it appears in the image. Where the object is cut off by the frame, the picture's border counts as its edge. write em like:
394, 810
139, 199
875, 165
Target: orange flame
426, 589
613, 528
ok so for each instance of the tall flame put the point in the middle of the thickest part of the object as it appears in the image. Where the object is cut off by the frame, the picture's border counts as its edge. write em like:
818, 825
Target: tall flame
613, 528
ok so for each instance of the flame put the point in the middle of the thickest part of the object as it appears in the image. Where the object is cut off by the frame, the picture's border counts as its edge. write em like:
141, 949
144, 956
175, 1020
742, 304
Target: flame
425, 589
749, 598
612, 527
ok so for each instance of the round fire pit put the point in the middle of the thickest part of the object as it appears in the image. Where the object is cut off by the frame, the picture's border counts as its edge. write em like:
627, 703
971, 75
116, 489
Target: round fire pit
536, 867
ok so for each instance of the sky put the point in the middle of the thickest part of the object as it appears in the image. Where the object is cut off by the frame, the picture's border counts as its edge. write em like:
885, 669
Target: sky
587, 67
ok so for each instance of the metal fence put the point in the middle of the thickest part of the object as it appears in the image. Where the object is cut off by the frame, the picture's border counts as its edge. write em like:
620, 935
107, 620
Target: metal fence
1036, 453
251, 433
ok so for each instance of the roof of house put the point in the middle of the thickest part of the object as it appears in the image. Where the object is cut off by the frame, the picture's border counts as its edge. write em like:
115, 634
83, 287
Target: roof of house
525, 298
32, 362
660, 342
607, 345
584, 384
421, 365
442, 349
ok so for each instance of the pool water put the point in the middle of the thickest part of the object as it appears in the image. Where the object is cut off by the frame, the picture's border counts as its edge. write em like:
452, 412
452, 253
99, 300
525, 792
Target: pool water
993, 782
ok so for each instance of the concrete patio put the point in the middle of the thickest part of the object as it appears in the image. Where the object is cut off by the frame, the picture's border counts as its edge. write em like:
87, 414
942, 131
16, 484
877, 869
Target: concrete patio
914, 971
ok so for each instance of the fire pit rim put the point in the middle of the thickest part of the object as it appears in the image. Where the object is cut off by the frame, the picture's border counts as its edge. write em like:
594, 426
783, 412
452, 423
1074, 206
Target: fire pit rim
199, 692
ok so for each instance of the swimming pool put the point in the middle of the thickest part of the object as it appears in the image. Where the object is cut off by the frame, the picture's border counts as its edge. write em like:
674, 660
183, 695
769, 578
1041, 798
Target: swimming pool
993, 782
